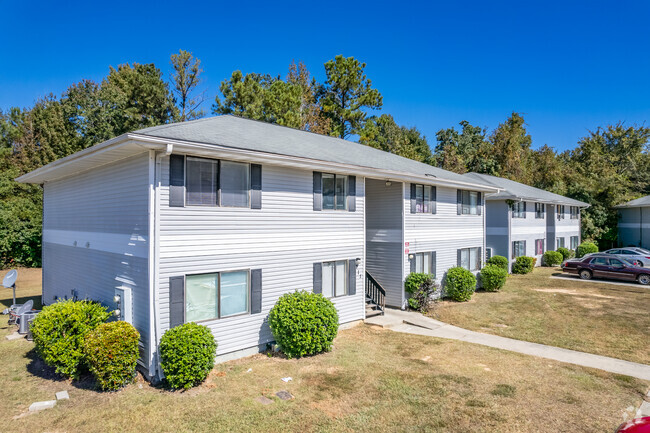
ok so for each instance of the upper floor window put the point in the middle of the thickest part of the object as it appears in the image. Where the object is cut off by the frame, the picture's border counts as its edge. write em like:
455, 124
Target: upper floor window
575, 212
422, 198
539, 210
212, 182
335, 191
519, 209
469, 202
560, 211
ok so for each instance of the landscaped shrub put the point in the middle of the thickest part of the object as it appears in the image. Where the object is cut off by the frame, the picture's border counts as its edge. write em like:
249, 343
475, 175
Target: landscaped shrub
420, 287
460, 284
523, 265
498, 261
303, 323
552, 258
493, 277
59, 331
566, 253
586, 248
187, 354
111, 353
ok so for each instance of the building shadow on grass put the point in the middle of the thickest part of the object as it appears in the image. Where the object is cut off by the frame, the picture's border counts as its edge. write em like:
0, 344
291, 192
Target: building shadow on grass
38, 368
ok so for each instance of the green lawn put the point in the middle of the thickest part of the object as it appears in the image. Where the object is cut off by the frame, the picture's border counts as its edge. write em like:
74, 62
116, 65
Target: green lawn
373, 380
594, 317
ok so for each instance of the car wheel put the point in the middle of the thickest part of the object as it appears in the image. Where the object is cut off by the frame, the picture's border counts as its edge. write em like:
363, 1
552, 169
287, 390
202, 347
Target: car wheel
644, 279
585, 274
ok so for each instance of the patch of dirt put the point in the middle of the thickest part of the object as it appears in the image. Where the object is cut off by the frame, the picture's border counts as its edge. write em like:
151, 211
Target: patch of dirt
575, 293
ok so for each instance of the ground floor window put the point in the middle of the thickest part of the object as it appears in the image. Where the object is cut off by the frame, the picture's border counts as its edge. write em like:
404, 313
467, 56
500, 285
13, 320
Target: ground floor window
470, 258
335, 278
518, 249
216, 295
560, 243
424, 262
539, 247
575, 240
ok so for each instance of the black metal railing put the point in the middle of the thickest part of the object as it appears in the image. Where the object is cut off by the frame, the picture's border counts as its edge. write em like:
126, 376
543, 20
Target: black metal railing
375, 294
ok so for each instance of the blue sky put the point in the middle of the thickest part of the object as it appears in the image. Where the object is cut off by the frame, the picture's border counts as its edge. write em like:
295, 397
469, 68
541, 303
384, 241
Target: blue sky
568, 66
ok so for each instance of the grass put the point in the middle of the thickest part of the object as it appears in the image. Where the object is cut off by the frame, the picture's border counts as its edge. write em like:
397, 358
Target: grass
373, 380
594, 317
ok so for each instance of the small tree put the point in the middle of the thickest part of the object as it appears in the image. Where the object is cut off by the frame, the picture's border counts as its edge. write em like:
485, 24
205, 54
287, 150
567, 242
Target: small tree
421, 288
460, 284
185, 78
552, 258
493, 278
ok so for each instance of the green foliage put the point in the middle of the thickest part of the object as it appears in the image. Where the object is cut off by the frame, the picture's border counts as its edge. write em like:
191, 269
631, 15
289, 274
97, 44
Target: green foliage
383, 133
493, 278
500, 261
59, 331
566, 253
185, 78
187, 355
420, 287
345, 94
586, 248
111, 353
523, 265
460, 284
552, 258
465, 151
303, 323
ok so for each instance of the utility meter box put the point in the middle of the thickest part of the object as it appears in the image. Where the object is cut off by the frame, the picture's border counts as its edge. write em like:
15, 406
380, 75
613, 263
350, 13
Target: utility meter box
123, 304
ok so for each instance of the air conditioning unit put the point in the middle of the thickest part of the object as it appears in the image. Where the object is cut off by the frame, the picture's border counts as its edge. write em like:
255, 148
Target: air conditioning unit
488, 253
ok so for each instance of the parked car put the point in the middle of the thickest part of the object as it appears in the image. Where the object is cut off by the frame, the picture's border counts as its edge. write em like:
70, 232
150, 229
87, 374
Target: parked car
638, 425
601, 265
638, 256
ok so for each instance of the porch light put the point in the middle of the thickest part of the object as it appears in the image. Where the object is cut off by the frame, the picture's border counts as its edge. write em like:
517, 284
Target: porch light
389, 183
358, 261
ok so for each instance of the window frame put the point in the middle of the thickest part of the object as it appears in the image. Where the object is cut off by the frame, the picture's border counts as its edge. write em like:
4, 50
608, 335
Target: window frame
574, 212
557, 243
345, 195
469, 258
465, 193
427, 257
218, 183
560, 209
423, 203
577, 242
539, 242
519, 209
517, 245
346, 289
540, 210
218, 294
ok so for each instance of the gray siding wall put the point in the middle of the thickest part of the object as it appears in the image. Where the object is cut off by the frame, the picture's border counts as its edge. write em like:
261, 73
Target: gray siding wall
634, 227
551, 220
497, 220
95, 236
529, 229
443, 232
384, 248
284, 239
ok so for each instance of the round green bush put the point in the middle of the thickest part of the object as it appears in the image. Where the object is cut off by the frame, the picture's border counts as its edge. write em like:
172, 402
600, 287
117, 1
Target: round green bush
566, 253
187, 355
111, 353
303, 323
421, 288
586, 248
498, 261
460, 284
493, 278
59, 331
523, 265
552, 258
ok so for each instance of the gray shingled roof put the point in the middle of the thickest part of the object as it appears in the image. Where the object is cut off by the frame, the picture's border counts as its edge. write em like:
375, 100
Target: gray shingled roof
639, 202
519, 191
240, 133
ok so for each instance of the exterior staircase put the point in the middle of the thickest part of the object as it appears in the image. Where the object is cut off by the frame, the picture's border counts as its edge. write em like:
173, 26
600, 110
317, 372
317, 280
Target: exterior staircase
375, 297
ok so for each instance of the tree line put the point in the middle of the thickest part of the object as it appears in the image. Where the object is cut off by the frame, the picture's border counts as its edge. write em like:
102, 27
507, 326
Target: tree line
608, 166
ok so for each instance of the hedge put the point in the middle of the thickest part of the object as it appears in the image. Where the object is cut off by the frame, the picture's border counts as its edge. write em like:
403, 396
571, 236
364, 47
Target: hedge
523, 265
552, 258
421, 288
460, 284
498, 261
493, 278
187, 354
586, 248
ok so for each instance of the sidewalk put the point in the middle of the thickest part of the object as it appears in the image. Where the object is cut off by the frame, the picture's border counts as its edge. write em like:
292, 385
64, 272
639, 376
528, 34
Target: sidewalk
415, 323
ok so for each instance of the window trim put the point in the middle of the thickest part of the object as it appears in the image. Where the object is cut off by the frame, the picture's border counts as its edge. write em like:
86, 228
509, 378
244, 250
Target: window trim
346, 287
560, 209
218, 294
468, 203
577, 239
540, 210
218, 203
557, 244
426, 204
479, 261
523, 244
574, 212
322, 193
519, 209
429, 256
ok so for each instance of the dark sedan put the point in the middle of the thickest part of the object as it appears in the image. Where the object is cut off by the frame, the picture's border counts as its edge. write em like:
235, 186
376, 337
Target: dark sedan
606, 266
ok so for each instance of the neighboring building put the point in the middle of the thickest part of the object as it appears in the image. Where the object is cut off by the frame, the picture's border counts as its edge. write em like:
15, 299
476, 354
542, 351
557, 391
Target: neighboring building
212, 220
527, 221
634, 223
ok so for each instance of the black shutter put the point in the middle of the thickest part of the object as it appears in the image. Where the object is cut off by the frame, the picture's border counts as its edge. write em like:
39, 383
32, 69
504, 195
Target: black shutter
480, 257
480, 203
513, 249
256, 186
459, 202
458, 257
525, 248
177, 180
318, 191
256, 291
434, 199
176, 301
413, 200
352, 193
433, 264
412, 263
352, 277
318, 278
524, 209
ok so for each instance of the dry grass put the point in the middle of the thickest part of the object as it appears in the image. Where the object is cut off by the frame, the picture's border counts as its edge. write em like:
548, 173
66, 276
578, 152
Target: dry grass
600, 318
373, 380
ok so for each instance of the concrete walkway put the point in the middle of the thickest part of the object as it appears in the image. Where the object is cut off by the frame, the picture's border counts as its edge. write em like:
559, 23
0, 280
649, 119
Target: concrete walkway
415, 323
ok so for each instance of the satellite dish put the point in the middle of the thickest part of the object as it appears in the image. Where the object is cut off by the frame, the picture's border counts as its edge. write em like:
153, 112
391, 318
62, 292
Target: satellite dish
10, 279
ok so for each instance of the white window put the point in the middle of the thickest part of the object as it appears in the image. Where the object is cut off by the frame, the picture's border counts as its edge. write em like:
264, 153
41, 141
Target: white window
202, 175
335, 282
519, 209
560, 243
423, 263
335, 191
574, 242
518, 249
210, 182
469, 202
469, 259
216, 295
575, 212
422, 198
235, 184
539, 210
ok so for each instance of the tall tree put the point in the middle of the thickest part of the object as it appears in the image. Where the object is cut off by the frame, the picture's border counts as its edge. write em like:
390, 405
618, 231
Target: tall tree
511, 145
311, 113
384, 133
346, 93
465, 151
185, 79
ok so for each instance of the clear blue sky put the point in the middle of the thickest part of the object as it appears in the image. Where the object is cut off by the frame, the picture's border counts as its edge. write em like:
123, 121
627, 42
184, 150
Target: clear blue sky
569, 66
